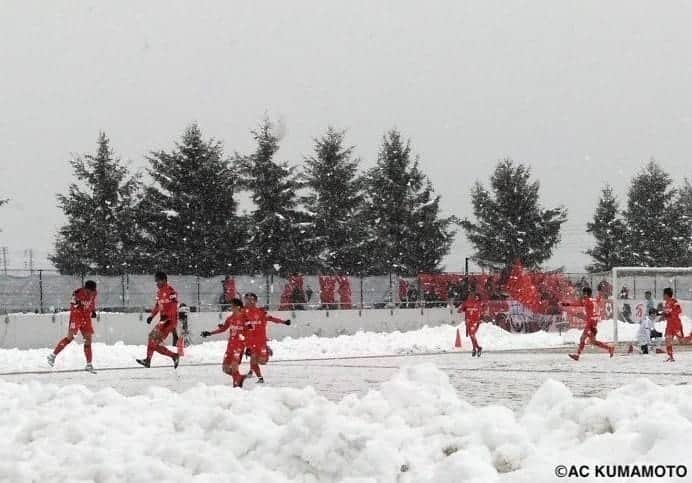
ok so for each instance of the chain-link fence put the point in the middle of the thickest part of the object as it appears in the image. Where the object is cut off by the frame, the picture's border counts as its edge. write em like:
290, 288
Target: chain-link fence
48, 291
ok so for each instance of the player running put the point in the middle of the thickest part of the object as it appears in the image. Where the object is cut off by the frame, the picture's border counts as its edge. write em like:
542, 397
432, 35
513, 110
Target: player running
237, 323
82, 309
166, 307
672, 312
257, 319
472, 309
592, 317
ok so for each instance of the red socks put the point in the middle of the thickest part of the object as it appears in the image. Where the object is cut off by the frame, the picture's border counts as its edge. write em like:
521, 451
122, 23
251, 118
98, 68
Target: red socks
236, 377
474, 342
162, 349
61, 345
87, 353
256, 369
155, 346
151, 346
602, 345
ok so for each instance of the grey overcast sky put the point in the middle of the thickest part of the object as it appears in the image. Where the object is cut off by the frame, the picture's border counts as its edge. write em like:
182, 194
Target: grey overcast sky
584, 91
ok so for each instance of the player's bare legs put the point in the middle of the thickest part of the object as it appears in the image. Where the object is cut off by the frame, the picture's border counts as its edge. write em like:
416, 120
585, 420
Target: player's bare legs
155, 344
255, 361
587, 337
231, 366
87, 351
669, 348
64, 342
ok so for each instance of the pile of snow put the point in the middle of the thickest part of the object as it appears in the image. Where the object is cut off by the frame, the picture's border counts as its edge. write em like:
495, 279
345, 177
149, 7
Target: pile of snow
414, 428
425, 340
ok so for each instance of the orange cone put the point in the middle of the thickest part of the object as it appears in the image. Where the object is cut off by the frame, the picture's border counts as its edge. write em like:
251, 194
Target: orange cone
457, 342
181, 346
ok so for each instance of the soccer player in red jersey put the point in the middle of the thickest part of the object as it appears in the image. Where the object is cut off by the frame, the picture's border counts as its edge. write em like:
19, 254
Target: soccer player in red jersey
473, 309
82, 309
166, 307
592, 317
257, 319
672, 312
237, 323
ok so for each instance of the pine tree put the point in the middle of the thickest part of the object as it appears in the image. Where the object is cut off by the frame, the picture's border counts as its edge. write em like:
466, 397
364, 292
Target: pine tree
101, 234
511, 226
680, 222
650, 219
190, 209
407, 235
277, 229
609, 231
334, 206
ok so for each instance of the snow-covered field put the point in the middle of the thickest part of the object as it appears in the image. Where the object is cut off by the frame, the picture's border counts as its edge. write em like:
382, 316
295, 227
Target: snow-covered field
425, 340
396, 414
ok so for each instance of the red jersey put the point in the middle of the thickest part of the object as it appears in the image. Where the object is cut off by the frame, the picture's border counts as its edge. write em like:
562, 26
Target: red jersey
592, 307
256, 324
82, 305
166, 304
237, 323
672, 310
473, 309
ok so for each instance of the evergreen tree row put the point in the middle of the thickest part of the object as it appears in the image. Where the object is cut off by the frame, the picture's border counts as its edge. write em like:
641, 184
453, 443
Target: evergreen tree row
331, 218
653, 230
327, 218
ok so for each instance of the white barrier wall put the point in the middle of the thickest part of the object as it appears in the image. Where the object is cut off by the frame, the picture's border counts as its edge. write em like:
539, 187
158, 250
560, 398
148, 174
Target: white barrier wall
31, 331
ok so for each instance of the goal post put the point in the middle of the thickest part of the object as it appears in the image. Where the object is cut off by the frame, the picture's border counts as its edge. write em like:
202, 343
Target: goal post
683, 290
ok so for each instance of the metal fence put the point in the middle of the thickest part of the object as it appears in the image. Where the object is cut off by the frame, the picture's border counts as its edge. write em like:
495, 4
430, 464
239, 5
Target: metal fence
635, 286
48, 291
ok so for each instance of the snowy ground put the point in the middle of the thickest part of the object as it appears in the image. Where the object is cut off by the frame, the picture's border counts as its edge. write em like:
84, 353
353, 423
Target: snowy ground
409, 424
348, 416
425, 340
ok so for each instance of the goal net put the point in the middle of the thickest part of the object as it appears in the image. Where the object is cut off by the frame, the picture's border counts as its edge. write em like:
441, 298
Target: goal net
635, 289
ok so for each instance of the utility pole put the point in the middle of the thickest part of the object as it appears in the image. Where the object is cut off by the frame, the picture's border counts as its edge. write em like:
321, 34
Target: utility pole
4, 260
29, 260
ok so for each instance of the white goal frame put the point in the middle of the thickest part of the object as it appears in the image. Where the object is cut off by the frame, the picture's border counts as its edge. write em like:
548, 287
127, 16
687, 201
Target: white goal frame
620, 270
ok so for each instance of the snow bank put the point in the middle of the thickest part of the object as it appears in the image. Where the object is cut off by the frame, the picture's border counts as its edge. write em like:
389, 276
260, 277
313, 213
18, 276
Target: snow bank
414, 428
427, 339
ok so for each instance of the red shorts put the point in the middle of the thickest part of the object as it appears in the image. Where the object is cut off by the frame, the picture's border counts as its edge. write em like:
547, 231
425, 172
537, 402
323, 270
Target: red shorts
165, 328
259, 348
673, 329
83, 326
234, 351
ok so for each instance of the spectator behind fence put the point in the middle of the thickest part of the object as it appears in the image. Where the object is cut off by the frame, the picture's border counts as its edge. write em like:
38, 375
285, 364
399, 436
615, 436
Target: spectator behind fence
183, 311
604, 289
626, 314
299, 298
650, 302
228, 290
412, 297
